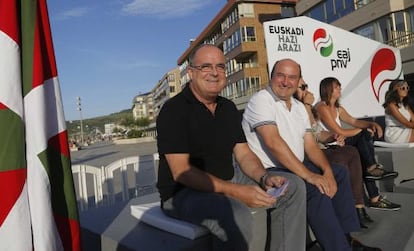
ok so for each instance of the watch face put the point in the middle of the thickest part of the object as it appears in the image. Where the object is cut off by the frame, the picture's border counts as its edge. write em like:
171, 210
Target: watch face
263, 180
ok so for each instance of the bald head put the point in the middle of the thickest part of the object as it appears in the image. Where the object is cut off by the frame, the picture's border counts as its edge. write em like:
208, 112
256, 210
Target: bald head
285, 60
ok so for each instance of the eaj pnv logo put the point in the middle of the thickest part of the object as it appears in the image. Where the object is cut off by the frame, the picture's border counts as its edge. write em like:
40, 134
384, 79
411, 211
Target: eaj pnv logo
323, 42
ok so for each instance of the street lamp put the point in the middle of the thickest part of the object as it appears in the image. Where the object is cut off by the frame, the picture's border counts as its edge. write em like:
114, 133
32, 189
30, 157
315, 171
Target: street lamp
79, 107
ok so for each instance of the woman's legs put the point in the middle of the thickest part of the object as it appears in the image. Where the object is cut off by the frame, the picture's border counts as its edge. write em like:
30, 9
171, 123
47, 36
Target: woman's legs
348, 156
371, 169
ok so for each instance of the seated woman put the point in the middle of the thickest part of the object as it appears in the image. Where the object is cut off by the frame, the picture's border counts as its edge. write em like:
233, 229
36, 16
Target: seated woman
337, 152
331, 115
399, 118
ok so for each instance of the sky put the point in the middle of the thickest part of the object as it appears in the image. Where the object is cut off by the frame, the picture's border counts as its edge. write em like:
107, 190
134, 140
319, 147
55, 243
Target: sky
107, 52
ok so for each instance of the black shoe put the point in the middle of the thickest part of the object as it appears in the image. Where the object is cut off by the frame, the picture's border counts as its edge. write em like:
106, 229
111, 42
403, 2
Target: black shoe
364, 218
379, 173
384, 204
356, 245
362, 213
362, 225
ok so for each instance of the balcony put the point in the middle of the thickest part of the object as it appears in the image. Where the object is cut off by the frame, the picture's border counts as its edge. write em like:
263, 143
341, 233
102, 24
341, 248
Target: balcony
401, 39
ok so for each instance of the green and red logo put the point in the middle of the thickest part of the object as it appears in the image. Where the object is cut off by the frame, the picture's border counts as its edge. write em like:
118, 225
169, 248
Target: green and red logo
323, 42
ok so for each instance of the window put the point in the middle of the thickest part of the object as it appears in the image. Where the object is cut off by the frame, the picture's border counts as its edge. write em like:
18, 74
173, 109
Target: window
384, 30
233, 66
330, 10
237, 38
411, 19
171, 77
248, 34
318, 13
348, 7
288, 11
233, 41
366, 31
339, 5
243, 87
399, 21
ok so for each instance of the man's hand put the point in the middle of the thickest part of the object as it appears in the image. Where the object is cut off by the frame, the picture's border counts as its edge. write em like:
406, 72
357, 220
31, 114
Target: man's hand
253, 196
376, 128
324, 183
339, 139
308, 98
274, 181
333, 188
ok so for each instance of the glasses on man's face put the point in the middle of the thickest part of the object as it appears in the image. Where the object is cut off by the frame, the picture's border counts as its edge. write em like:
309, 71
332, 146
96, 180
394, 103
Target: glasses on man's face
404, 88
210, 68
303, 87
291, 78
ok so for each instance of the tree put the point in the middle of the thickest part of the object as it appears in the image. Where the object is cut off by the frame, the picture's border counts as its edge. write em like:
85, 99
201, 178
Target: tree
128, 121
142, 122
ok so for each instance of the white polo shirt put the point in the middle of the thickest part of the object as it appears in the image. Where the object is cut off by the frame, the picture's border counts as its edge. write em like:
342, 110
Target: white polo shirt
265, 108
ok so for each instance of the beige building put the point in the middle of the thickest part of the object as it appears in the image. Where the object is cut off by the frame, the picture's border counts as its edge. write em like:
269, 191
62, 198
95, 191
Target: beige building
387, 21
142, 106
237, 29
166, 88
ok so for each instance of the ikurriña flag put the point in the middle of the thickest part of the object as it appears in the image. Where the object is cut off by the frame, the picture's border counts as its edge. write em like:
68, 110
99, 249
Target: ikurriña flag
38, 209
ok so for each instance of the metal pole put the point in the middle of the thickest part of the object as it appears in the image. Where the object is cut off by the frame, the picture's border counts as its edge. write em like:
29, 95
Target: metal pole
78, 103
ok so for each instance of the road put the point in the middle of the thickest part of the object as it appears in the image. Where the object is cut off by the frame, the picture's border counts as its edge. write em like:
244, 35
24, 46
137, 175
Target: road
105, 152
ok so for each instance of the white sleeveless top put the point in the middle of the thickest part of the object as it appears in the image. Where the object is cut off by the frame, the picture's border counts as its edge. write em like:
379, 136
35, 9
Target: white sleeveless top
337, 120
395, 132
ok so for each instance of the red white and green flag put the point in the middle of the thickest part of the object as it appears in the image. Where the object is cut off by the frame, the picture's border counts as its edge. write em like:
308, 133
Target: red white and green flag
38, 209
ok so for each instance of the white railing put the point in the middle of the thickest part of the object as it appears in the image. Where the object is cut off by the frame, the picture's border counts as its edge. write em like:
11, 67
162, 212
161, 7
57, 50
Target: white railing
119, 181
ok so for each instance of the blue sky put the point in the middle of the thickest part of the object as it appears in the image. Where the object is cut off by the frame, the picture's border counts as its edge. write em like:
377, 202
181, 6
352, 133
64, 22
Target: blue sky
107, 52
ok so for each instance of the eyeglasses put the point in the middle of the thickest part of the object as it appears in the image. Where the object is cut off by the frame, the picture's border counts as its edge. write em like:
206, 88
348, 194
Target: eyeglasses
404, 88
209, 67
292, 78
303, 87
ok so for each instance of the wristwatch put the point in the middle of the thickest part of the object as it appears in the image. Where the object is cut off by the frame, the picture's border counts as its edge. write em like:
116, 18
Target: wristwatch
262, 181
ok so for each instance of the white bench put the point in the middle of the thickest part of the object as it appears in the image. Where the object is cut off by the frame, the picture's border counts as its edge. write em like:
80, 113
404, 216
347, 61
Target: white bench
151, 214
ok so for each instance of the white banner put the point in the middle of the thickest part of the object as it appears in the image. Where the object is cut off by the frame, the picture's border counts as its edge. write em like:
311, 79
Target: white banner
363, 66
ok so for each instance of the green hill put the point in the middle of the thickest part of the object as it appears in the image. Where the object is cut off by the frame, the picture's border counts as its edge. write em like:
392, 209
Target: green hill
89, 125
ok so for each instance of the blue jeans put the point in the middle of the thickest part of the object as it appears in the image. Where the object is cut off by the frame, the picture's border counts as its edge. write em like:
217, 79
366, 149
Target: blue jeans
231, 223
331, 219
363, 142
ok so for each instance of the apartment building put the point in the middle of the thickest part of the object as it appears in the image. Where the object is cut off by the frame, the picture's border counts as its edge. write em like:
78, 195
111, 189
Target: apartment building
387, 21
166, 88
238, 30
142, 106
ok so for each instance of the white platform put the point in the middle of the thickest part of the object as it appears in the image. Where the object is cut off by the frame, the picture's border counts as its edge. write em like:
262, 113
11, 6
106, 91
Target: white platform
152, 214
